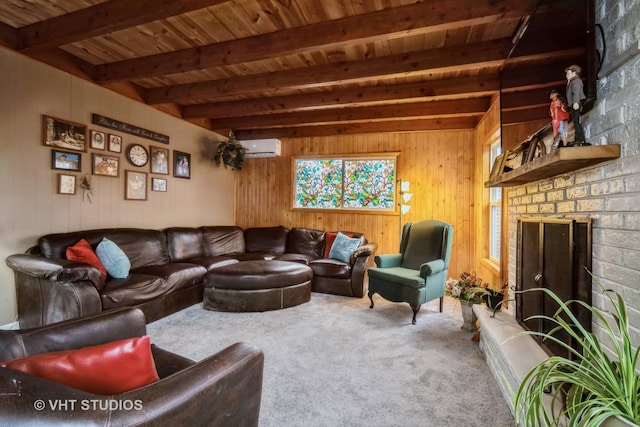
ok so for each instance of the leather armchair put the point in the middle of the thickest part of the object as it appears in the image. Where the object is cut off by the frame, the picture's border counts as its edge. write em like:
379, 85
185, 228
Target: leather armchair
222, 390
418, 273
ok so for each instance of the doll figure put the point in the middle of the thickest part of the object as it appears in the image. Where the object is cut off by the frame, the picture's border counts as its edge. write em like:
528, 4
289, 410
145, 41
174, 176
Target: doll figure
575, 96
559, 119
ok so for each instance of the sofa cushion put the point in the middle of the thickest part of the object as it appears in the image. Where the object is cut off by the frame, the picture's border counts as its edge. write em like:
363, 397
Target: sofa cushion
222, 240
330, 238
301, 258
399, 275
177, 275
107, 369
83, 252
343, 246
266, 239
305, 241
327, 267
252, 256
184, 243
135, 289
211, 262
113, 258
143, 247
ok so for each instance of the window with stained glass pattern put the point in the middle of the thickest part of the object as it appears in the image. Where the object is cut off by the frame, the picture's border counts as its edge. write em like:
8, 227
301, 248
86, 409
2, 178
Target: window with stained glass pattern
345, 183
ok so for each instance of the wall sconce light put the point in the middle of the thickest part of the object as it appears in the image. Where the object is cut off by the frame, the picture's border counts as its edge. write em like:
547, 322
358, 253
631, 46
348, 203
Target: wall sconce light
405, 196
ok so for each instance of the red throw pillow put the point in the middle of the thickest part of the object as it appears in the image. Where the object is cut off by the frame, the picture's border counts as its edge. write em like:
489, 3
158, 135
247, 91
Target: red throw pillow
330, 238
83, 252
111, 368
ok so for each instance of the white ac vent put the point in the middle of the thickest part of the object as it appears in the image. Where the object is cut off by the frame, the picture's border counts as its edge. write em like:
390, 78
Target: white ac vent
257, 148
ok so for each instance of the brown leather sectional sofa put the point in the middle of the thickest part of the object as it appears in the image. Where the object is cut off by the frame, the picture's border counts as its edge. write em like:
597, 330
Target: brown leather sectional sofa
167, 268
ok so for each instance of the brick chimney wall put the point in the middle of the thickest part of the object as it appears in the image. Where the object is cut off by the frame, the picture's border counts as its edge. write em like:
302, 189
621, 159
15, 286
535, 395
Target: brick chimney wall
608, 193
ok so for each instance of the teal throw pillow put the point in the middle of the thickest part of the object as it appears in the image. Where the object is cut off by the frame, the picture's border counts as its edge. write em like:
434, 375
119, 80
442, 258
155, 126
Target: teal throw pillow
343, 246
114, 259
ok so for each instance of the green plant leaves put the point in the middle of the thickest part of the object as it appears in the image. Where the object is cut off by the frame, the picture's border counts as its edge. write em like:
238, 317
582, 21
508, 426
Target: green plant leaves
594, 385
230, 153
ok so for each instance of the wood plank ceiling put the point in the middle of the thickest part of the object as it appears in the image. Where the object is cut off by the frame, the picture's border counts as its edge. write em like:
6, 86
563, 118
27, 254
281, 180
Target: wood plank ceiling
294, 68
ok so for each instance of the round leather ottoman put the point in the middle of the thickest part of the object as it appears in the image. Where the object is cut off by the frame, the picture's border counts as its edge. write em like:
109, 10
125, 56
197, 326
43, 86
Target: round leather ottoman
257, 286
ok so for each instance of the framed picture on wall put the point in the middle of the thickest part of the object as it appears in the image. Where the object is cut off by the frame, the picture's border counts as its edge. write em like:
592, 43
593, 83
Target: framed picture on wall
159, 160
66, 160
115, 143
64, 134
135, 185
181, 164
158, 184
105, 165
97, 139
66, 184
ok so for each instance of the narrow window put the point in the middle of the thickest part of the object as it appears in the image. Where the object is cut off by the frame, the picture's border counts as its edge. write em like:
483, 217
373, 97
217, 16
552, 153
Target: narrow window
495, 210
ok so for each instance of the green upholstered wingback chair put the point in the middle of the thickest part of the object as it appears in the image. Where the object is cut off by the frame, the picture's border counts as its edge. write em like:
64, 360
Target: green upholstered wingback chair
418, 273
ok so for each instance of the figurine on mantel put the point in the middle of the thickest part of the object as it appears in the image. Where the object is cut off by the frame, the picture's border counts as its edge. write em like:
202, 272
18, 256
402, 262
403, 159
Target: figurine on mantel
575, 98
559, 119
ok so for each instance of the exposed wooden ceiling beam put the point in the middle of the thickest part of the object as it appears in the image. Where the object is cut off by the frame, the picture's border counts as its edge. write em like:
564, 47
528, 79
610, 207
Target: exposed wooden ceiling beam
531, 75
527, 97
405, 20
413, 63
100, 19
355, 128
62, 60
8, 36
532, 113
467, 87
477, 106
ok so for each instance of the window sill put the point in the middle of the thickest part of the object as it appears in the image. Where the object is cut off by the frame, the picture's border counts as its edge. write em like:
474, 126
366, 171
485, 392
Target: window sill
492, 265
348, 211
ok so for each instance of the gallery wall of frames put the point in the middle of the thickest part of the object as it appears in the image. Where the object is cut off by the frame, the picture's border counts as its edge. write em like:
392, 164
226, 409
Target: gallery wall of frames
145, 167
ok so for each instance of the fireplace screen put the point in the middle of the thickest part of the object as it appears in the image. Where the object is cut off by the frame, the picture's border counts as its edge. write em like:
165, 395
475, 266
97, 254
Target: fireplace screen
553, 253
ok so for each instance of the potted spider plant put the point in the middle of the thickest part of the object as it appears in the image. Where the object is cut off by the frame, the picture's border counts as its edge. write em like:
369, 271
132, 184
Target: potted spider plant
591, 388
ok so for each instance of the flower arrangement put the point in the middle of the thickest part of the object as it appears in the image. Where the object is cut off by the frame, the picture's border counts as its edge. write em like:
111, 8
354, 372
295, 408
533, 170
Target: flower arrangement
468, 288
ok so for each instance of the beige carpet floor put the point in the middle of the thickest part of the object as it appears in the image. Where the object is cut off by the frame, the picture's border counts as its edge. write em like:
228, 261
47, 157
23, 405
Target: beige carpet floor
334, 362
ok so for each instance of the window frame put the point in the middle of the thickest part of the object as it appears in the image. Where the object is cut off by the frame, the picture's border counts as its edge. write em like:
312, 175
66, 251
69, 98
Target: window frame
495, 197
391, 156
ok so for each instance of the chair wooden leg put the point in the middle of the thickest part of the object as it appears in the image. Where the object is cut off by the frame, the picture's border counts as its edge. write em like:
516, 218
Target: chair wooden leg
371, 298
415, 312
441, 304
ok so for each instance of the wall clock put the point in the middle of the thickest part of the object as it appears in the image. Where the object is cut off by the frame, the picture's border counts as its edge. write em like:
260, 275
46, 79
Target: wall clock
137, 155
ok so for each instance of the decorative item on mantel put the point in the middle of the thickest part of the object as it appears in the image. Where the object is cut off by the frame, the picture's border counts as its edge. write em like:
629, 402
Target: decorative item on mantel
230, 153
469, 291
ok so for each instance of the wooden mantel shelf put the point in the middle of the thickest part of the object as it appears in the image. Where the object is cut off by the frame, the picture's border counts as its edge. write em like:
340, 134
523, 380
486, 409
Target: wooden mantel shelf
557, 162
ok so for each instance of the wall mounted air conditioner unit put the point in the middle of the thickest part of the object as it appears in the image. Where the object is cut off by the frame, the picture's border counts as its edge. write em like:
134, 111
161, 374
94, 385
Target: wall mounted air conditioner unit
257, 148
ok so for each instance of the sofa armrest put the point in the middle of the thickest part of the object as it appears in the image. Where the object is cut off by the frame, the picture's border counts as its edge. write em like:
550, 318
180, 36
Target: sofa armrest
107, 326
363, 251
35, 266
432, 267
388, 260
55, 269
50, 290
222, 390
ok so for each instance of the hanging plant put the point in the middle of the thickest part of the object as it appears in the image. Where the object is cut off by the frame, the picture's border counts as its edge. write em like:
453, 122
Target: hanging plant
230, 153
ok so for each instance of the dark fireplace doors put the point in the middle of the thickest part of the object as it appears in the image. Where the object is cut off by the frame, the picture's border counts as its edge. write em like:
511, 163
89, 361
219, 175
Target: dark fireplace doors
553, 253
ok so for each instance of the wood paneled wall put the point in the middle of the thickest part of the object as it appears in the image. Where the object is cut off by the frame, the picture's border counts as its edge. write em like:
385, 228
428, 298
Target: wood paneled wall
439, 166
